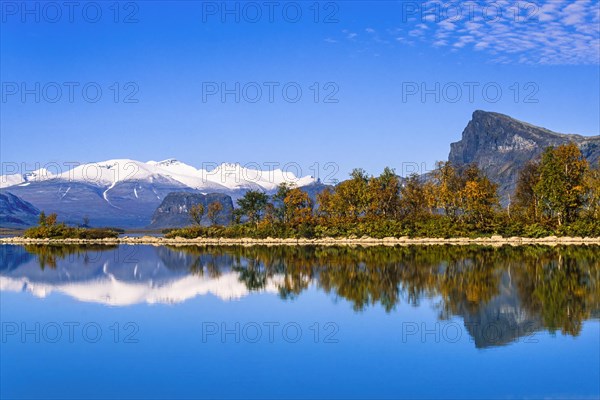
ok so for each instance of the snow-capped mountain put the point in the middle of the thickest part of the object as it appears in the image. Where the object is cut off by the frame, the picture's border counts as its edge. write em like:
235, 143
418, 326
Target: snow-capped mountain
125, 193
234, 176
25, 178
137, 275
108, 173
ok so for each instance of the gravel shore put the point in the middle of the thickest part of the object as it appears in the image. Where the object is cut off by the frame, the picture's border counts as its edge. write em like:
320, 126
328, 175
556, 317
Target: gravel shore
351, 241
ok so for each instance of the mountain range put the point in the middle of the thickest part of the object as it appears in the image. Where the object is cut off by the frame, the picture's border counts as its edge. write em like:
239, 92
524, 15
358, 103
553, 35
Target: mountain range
131, 194
126, 193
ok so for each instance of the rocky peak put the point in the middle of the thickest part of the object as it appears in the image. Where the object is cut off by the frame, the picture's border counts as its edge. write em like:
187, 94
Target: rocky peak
501, 146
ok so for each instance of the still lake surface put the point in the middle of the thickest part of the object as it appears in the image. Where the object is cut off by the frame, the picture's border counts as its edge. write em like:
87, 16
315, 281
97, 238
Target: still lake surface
299, 322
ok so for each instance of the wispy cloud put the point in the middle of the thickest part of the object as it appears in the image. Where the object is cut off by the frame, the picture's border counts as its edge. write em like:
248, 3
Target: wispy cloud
349, 35
555, 32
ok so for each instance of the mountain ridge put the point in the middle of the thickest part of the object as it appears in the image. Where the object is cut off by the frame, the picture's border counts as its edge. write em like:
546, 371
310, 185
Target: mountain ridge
16, 212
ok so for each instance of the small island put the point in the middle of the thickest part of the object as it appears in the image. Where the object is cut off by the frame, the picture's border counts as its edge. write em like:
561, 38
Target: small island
49, 228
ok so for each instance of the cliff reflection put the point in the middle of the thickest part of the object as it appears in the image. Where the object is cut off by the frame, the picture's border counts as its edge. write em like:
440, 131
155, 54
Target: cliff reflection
520, 289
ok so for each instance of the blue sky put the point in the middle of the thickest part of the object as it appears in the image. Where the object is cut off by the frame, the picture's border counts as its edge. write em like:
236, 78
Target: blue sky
156, 65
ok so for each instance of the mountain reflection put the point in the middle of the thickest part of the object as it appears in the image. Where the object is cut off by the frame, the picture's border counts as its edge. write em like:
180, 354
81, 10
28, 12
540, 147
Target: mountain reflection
520, 290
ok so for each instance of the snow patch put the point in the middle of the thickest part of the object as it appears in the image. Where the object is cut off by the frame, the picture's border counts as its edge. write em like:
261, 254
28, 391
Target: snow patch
105, 194
111, 291
25, 179
65, 193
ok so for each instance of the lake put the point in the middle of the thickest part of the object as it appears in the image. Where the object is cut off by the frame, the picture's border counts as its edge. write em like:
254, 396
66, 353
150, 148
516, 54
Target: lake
299, 322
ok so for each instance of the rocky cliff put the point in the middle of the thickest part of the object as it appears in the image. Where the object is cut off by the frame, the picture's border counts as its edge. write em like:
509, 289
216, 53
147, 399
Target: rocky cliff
173, 212
501, 146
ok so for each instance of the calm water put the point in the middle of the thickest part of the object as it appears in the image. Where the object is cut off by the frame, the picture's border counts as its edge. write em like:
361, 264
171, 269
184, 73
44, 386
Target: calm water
256, 322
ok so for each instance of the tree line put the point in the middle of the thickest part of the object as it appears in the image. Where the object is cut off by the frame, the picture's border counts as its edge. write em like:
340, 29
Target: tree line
558, 194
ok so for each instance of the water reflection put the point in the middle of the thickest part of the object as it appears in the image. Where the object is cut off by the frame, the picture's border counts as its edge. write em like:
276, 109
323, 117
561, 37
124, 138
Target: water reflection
517, 290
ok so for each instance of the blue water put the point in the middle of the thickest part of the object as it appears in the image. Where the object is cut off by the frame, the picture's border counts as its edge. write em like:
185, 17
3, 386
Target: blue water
153, 322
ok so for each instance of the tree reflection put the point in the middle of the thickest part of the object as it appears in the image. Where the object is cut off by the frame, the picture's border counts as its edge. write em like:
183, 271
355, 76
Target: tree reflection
558, 284
562, 286
48, 254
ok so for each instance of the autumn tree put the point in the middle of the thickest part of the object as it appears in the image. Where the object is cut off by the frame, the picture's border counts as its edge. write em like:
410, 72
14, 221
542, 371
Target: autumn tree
47, 220
270, 216
480, 197
351, 196
592, 198
298, 206
348, 201
561, 187
214, 209
51, 219
324, 209
413, 198
526, 200
196, 213
448, 189
383, 195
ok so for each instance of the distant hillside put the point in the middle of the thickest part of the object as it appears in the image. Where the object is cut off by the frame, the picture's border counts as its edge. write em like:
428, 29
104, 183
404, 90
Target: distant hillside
16, 212
501, 146
173, 212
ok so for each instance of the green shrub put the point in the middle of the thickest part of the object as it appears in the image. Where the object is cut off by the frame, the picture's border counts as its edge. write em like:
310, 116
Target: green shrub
537, 231
589, 227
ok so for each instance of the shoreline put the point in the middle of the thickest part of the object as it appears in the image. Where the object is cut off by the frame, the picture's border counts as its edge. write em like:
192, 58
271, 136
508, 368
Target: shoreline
363, 241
